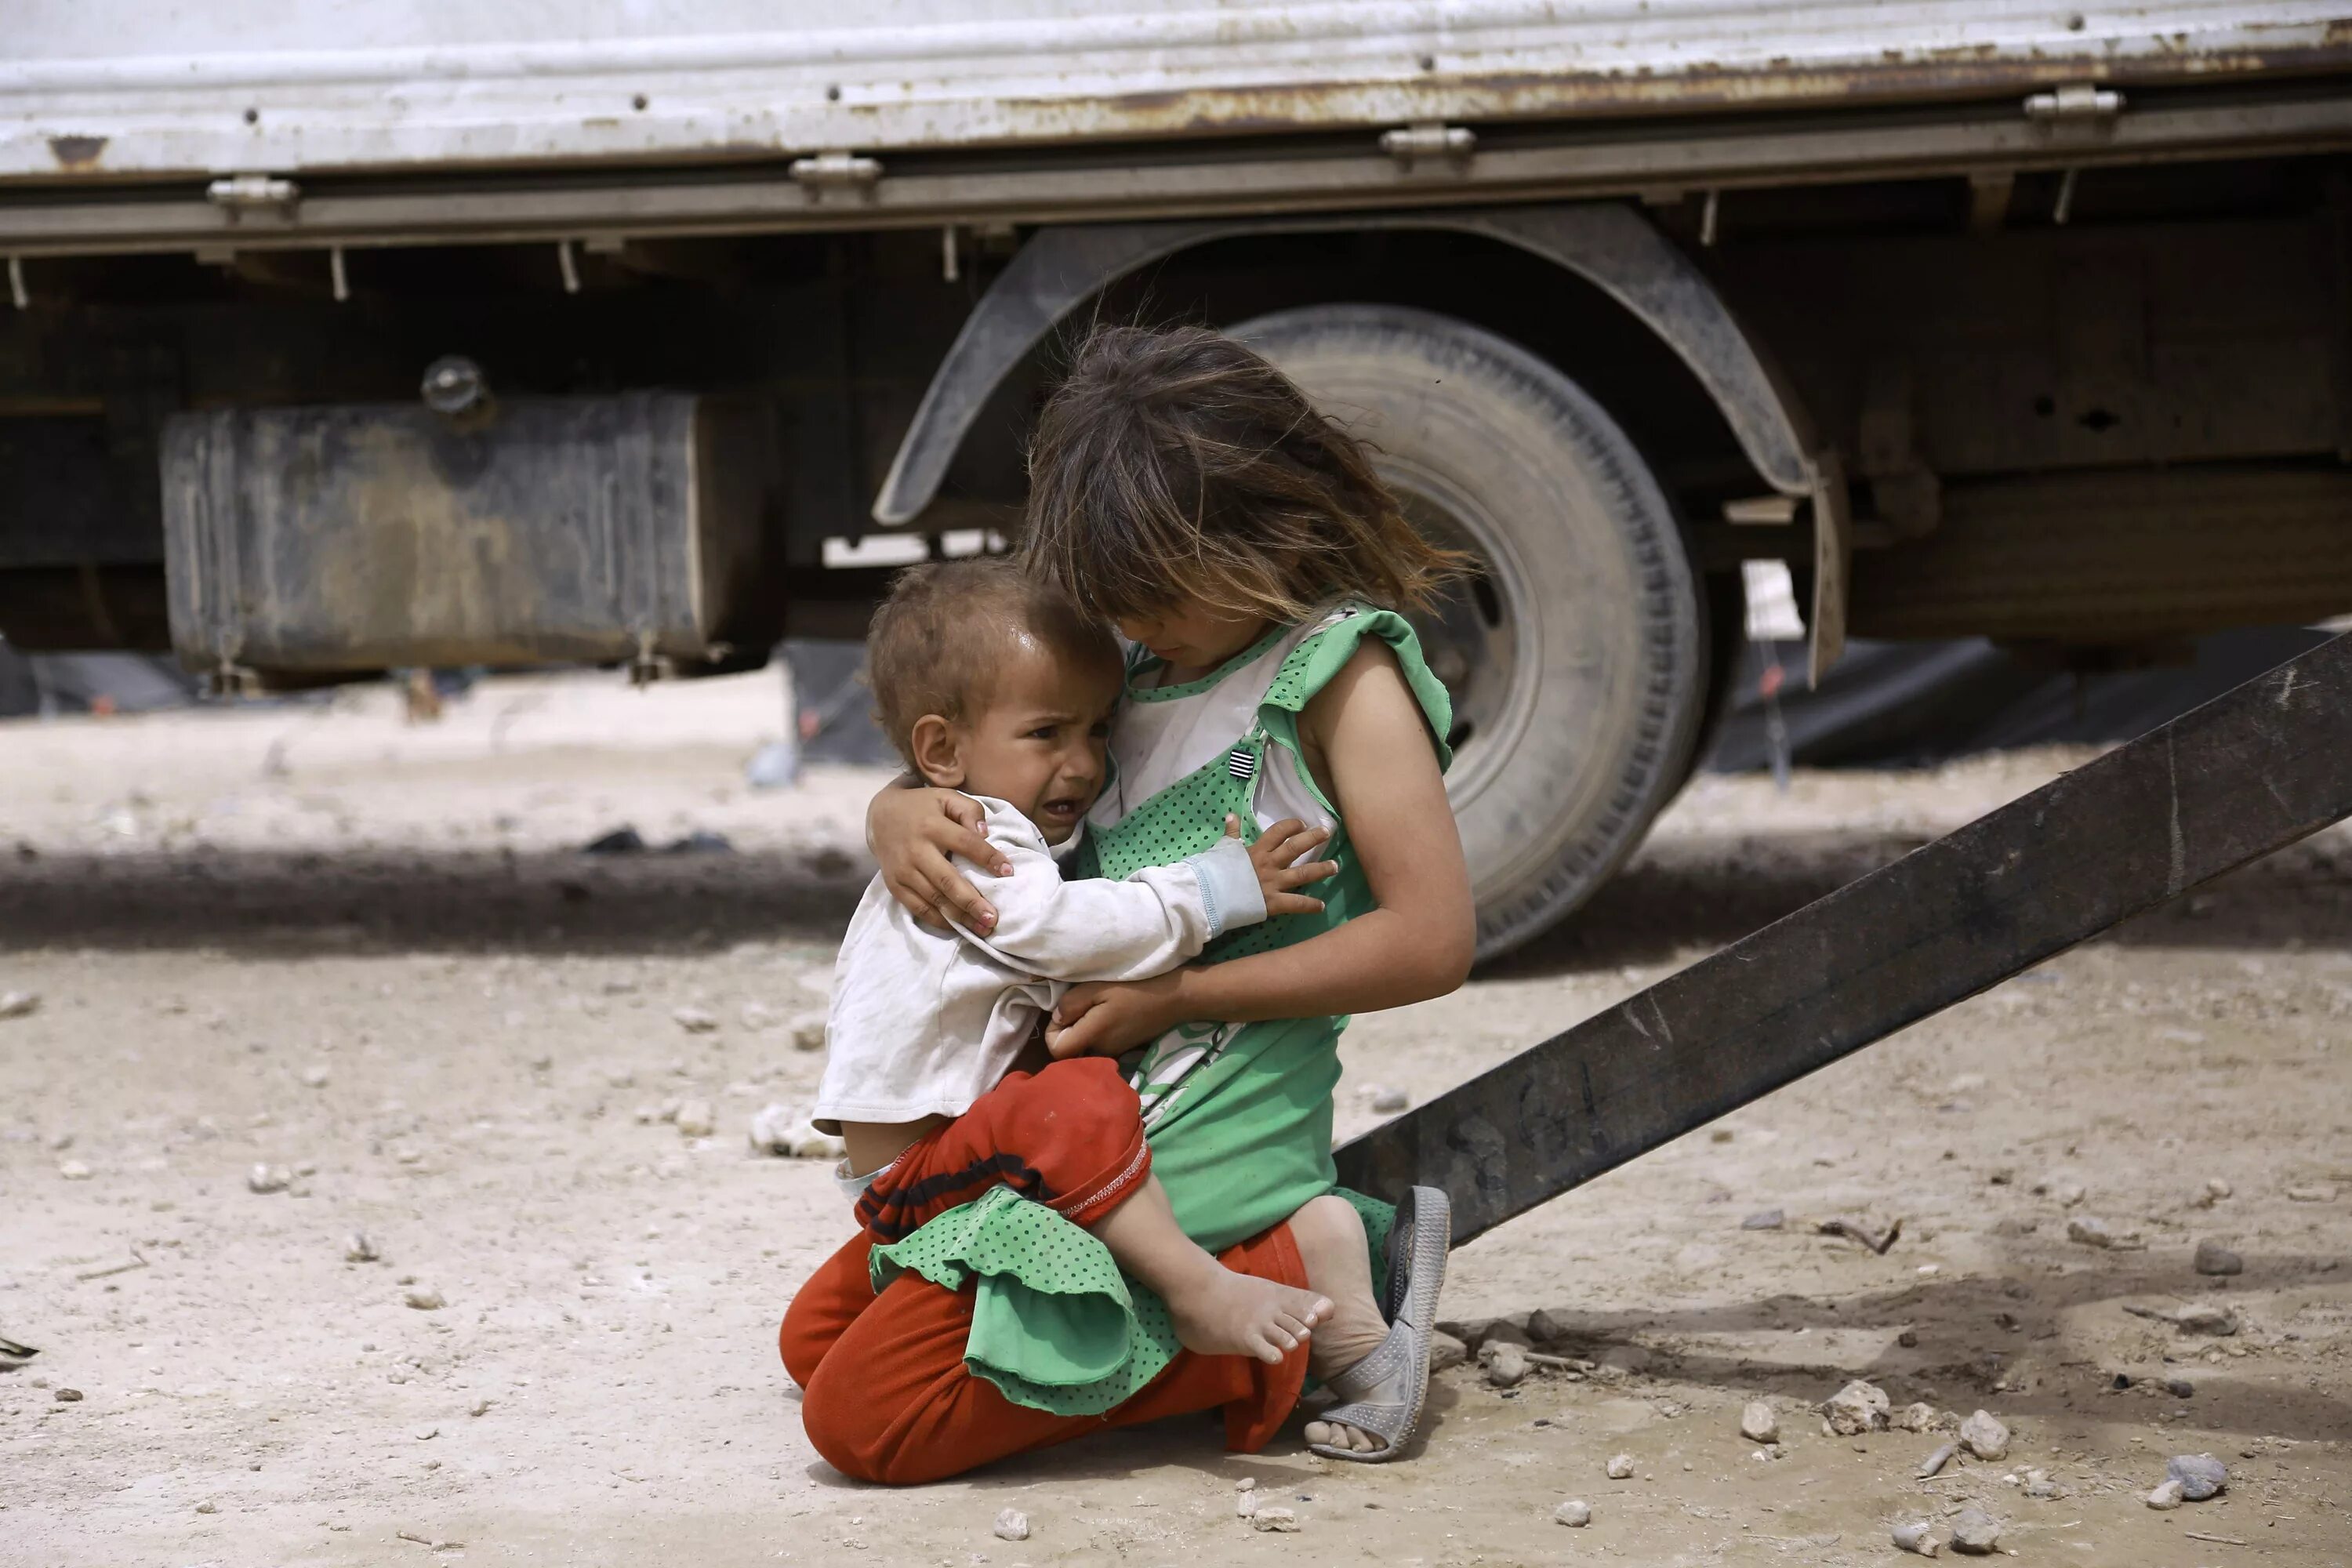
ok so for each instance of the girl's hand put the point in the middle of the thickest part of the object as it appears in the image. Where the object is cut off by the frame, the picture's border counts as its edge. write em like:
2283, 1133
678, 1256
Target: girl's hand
1109, 1017
911, 833
1272, 856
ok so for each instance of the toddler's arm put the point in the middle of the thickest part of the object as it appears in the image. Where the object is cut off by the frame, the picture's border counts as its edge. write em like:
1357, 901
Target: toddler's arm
1097, 929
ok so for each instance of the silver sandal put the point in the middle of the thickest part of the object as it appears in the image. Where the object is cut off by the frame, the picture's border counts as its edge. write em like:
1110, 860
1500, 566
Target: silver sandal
1381, 1395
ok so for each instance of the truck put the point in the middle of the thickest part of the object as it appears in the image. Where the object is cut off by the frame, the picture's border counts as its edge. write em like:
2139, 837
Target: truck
646, 332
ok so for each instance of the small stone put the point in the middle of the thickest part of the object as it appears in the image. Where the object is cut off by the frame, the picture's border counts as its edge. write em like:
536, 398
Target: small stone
426, 1300
1934, 1463
2216, 1189
1507, 1364
67, 1395
2212, 1258
1012, 1524
19, 1004
1386, 1099
1764, 1219
208, 1506
315, 1076
785, 1131
269, 1179
1503, 1331
1917, 1417
2165, 1498
2180, 1387
1976, 1532
481, 1405
1621, 1467
2206, 1317
1915, 1538
1758, 1423
2089, 1231
1908, 1338
695, 1118
358, 1248
1247, 1484
1446, 1352
1984, 1435
74, 1170
1245, 1504
1574, 1513
693, 1020
2311, 1193
808, 1032
1273, 1519
2040, 1487
2200, 1476
1856, 1408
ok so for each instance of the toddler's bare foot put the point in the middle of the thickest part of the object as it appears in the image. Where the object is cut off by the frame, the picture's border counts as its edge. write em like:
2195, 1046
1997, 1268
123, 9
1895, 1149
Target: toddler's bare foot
1225, 1313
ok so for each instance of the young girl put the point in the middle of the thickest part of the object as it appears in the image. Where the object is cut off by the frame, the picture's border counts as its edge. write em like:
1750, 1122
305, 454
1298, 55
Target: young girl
1181, 487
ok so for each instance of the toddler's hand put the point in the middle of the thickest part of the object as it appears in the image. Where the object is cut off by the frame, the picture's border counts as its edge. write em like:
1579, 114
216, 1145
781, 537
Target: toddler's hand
1271, 856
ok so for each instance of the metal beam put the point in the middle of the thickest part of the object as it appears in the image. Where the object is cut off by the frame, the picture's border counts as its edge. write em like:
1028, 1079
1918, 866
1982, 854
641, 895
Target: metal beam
1321, 174
2255, 769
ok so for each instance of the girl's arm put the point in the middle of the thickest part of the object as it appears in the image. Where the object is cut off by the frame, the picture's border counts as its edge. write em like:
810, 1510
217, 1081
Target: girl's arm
1380, 769
912, 830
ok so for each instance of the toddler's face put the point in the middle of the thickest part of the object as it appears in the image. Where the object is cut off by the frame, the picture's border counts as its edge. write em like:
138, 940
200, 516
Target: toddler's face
1043, 741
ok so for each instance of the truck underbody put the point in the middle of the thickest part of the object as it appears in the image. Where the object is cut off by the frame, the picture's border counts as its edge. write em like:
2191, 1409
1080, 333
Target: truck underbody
2066, 368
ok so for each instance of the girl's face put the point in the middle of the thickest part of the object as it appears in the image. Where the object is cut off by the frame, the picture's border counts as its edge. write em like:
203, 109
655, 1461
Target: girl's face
1191, 637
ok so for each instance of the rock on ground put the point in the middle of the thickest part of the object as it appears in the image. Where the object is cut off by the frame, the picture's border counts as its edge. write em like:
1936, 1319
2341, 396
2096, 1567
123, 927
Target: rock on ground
1281, 1519
1917, 1417
1621, 1465
1976, 1532
1915, 1538
1012, 1524
1446, 1352
1856, 1408
2200, 1476
1984, 1436
1758, 1423
2212, 1258
2165, 1497
1575, 1513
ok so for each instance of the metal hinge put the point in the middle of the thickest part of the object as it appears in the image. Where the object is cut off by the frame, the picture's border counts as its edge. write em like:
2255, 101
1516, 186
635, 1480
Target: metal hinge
836, 168
2074, 103
245, 193
1428, 139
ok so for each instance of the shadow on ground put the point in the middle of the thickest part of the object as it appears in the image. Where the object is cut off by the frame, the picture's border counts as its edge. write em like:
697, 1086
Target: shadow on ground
1686, 894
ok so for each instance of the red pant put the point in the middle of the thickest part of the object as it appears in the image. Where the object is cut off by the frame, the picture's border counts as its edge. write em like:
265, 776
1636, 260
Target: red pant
887, 1397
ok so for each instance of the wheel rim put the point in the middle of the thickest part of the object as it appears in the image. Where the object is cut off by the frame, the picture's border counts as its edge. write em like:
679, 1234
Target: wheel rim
1479, 639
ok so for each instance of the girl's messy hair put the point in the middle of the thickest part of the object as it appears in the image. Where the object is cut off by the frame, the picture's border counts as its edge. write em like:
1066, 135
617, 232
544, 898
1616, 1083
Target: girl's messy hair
1175, 462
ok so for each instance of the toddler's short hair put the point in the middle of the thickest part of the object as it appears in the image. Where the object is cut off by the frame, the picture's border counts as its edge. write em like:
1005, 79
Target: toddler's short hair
936, 641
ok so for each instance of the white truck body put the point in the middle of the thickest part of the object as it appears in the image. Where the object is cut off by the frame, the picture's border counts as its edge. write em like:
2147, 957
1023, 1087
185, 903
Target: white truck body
138, 90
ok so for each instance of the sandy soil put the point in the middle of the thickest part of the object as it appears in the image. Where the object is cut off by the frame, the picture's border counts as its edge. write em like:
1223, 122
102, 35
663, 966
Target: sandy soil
370, 954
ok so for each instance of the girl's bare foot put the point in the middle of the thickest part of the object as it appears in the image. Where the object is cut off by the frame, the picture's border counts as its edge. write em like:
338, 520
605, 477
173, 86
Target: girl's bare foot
1330, 1238
1220, 1312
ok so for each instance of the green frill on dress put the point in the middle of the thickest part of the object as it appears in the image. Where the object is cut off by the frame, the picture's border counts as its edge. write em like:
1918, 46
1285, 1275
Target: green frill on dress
1055, 1325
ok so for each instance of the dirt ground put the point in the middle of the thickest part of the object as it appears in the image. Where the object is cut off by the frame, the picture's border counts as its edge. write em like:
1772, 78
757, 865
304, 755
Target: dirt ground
372, 955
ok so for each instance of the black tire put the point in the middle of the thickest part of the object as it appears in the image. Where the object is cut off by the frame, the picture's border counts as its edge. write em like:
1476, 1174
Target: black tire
1578, 660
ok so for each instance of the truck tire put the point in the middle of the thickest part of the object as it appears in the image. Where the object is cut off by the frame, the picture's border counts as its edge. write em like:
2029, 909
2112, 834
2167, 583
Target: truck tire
1577, 658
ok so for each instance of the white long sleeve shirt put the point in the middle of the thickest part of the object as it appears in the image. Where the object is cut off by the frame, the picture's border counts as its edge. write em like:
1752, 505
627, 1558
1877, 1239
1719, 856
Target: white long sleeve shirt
923, 1025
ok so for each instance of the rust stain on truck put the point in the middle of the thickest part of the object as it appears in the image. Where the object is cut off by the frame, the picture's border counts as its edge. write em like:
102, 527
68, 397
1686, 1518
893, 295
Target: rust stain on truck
77, 152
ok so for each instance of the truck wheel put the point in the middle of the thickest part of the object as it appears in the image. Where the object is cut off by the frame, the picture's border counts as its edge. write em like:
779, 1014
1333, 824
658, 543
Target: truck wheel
1577, 658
